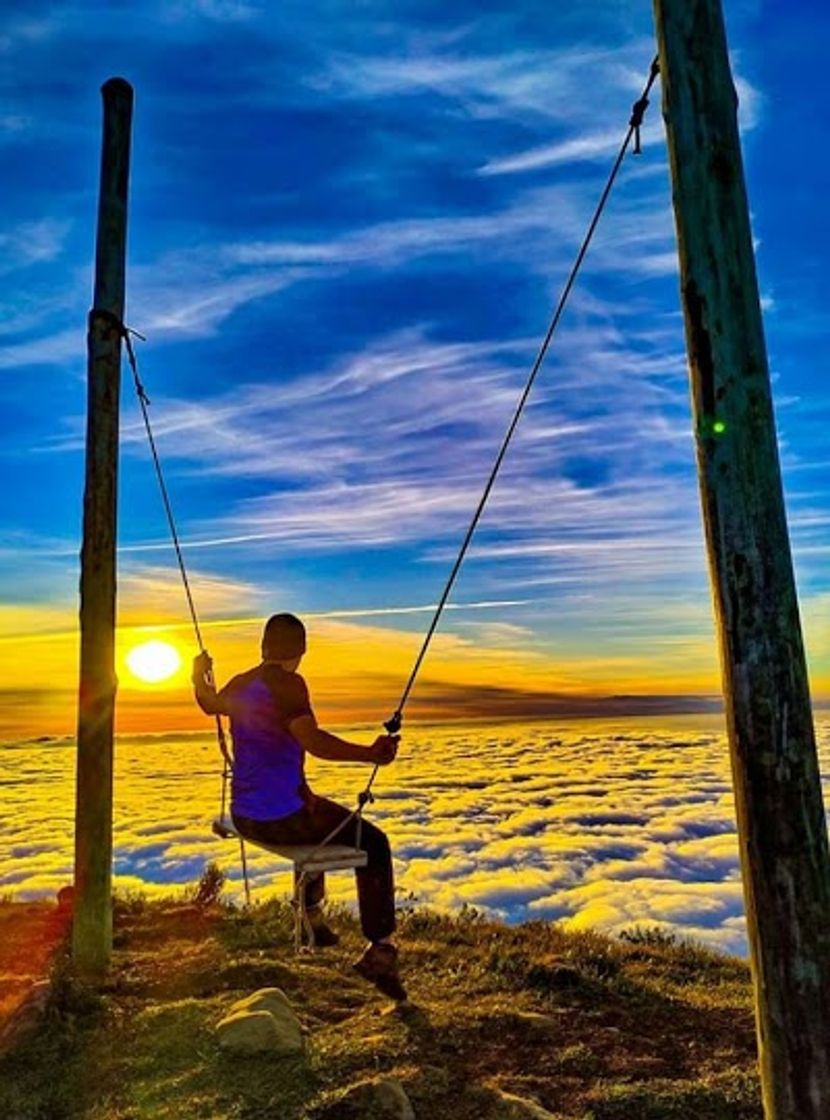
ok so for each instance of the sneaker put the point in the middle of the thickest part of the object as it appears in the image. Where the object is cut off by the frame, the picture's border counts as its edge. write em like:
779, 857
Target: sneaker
379, 965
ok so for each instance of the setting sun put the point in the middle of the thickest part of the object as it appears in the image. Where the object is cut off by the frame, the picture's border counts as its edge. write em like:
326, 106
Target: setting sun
153, 661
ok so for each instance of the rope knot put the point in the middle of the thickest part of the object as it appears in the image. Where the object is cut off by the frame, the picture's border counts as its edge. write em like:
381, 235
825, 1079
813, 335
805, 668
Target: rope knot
638, 109
637, 113
365, 797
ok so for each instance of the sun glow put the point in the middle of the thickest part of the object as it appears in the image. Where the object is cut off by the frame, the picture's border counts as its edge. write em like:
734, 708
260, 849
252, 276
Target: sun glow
153, 662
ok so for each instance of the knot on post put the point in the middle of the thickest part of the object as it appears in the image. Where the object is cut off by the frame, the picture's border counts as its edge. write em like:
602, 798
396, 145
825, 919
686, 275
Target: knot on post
102, 315
638, 109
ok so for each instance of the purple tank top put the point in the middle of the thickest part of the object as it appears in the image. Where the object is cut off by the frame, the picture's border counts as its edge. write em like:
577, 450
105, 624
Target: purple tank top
268, 774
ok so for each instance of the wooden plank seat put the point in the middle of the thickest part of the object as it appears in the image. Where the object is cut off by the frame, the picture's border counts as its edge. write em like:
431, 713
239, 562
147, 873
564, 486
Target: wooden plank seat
308, 859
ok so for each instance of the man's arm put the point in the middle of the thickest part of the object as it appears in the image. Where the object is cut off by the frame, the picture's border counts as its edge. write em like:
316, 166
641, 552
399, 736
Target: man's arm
322, 744
209, 700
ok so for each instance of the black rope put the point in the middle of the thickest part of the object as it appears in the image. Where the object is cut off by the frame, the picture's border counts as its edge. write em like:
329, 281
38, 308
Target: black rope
227, 760
393, 724
144, 402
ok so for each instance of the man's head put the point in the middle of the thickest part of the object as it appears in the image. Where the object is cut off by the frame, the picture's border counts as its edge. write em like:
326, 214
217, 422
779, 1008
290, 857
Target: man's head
283, 640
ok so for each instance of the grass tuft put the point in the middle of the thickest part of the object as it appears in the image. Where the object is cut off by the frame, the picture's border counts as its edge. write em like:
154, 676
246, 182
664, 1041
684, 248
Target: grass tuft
208, 891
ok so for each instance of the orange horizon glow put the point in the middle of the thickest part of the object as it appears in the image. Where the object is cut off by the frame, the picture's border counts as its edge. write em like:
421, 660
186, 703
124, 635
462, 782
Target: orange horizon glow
355, 671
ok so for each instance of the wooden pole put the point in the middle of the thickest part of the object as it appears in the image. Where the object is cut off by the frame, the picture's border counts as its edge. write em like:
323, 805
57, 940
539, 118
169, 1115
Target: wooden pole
781, 823
92, 923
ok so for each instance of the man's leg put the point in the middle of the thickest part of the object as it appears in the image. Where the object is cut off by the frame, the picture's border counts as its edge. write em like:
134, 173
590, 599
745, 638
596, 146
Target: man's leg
375, 881
375, 892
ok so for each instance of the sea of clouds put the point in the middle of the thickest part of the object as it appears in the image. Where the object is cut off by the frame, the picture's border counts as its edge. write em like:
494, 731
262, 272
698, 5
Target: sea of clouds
586, 823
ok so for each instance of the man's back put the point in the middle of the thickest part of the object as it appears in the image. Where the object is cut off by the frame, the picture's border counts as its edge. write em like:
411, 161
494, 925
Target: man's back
268, 774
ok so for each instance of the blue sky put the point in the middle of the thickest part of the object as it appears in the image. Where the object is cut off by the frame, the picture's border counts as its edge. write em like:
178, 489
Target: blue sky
348, 225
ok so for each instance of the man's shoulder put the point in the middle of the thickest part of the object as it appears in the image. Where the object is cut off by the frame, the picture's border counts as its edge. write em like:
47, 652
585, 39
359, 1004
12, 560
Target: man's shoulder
241, 680
289, 689
281, 679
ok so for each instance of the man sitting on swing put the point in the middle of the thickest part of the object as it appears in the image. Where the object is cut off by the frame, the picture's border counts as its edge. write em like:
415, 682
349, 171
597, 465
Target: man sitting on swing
273, 725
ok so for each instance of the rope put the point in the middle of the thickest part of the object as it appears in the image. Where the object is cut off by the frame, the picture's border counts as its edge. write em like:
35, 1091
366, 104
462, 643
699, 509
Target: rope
244, 862
144, 402
393, 724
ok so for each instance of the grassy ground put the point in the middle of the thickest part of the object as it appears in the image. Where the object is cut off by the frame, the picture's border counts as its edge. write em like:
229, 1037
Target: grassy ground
640, 1029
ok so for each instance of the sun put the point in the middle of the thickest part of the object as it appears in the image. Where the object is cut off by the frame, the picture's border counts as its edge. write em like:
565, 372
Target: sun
153, 661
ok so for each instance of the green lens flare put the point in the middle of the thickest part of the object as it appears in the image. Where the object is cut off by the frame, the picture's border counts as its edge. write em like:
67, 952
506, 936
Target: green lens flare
719, 427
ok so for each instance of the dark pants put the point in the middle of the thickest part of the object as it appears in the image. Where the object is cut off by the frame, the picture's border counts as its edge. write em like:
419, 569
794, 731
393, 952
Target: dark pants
311, 824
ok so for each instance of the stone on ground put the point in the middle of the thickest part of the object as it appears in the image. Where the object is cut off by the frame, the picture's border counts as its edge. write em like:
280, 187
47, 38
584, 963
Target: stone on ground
24, 1015
511, 1107
381, 1099
266, 999
536, 1022
262, 1023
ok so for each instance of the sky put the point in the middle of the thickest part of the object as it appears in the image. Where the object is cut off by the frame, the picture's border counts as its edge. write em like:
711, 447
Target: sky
348, 226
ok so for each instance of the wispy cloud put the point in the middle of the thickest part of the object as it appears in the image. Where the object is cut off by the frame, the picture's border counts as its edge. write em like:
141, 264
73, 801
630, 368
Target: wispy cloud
11, 124
203, 302
57, 349
155, 594
511, 84
599, 145
23, 29
33, 242
751, 102
218, 11
190, 293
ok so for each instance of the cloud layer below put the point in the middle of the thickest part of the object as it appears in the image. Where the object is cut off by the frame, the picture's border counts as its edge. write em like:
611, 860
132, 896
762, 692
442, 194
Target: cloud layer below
592, 824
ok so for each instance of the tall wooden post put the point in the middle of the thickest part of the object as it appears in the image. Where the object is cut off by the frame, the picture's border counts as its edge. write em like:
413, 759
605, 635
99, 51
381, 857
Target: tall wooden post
781, 822
92, 923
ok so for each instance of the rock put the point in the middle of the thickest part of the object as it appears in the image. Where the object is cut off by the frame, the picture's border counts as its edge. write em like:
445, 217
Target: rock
266, 999
536, 1022
22, 1021
388, 1098
511, 1107
382, 1099
66, 899
263, 1023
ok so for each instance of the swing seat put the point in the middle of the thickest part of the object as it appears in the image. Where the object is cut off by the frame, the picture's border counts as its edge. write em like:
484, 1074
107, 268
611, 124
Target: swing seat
307, 858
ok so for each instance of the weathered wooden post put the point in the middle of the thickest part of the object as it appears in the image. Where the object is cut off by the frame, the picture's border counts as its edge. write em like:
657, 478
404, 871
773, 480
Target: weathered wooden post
92, 922
781, 822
